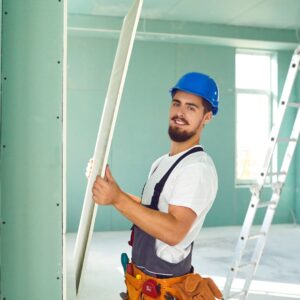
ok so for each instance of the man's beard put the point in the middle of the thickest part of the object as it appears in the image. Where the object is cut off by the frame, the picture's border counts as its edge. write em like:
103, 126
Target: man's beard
177, 135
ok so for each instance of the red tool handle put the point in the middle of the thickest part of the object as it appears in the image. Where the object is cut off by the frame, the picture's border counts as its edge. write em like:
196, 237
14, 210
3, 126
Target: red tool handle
151, 288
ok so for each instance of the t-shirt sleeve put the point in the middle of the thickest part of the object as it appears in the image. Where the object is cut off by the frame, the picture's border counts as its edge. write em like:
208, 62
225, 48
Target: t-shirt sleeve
195, 186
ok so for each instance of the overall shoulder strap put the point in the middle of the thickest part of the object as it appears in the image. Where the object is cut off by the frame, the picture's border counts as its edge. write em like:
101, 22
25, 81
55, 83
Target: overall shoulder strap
160, 185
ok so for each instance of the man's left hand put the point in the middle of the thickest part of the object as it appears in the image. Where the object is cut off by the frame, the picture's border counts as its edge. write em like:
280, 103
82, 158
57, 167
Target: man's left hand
105, 190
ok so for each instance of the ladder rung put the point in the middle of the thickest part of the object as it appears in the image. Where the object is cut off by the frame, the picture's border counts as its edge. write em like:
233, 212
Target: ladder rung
256, 236
246, 265
265, 204
237, 294
286, 140
276, 173
294, 104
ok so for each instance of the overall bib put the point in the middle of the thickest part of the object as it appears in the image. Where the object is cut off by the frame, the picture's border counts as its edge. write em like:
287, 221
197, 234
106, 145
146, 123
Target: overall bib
144, 252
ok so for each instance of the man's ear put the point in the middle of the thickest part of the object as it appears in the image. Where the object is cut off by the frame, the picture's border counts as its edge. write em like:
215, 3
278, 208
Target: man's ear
207, 117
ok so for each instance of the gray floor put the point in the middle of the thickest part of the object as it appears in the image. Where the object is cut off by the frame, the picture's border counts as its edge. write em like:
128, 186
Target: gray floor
278, 276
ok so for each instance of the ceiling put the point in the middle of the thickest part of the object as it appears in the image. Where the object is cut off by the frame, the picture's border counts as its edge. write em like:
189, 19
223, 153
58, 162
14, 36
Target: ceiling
278, 14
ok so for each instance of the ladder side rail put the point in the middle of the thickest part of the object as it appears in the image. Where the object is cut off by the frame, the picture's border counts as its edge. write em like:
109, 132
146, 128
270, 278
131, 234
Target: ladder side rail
277, 188
242, 241
283, 103
274, 200
289, 153
261, 242
289, 82
241, 245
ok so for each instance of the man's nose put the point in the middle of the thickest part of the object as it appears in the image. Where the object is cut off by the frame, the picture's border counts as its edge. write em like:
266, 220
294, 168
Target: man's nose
180, 113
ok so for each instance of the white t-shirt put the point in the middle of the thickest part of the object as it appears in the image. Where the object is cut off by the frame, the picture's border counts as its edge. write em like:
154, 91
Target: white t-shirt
193, 183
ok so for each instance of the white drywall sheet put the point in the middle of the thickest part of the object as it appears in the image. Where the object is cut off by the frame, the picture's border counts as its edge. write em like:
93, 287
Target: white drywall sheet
105, 134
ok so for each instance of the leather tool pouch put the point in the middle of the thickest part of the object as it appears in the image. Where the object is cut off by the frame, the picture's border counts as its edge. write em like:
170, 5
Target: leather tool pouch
134, 287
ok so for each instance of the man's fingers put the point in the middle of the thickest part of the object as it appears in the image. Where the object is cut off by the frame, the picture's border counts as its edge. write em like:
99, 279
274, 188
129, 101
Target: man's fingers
99, 183
108, 174
99, 190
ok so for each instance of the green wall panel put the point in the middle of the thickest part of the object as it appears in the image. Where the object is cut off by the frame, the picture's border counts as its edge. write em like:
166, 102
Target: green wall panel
186, 32
297, 160
88, 76
286, 208
32, 150
0, 139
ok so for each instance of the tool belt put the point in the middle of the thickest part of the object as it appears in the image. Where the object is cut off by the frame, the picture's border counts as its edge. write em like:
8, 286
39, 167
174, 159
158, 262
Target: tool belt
188, 287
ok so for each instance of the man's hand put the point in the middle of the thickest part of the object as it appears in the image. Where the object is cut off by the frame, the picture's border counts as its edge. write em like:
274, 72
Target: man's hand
105, 190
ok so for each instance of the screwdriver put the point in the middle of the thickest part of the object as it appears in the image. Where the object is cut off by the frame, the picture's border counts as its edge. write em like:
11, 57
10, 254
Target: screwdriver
124, 261
169, 297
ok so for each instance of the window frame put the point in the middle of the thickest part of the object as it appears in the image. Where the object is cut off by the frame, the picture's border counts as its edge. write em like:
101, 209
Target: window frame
272, 95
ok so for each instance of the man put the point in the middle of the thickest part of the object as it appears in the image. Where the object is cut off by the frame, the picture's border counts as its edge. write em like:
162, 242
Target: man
180, 190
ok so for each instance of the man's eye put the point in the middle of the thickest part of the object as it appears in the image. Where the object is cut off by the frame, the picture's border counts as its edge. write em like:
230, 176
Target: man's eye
192, 108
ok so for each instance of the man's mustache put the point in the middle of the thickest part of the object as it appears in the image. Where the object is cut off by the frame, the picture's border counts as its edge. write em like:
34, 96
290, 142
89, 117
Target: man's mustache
181, 119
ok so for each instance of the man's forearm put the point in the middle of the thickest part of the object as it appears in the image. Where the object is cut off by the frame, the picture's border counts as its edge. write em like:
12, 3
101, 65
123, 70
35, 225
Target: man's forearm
160, 225
170, 227
135, 198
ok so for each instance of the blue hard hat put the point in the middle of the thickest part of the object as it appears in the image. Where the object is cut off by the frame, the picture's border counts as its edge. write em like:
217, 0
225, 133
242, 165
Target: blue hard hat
201, 85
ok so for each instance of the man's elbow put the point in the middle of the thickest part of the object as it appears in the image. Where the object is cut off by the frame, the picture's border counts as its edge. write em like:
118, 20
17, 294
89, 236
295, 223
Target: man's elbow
175, 238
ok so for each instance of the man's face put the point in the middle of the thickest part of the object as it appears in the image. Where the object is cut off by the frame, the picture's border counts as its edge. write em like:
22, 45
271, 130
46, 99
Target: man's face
187, 116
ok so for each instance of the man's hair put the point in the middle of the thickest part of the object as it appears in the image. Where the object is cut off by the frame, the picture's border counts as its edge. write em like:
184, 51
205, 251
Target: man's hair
207, 106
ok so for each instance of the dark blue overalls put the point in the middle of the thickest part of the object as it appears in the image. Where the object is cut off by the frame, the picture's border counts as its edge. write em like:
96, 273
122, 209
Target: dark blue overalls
144, 252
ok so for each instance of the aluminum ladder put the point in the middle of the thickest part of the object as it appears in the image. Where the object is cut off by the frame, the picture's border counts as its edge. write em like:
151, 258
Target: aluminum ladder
256, 202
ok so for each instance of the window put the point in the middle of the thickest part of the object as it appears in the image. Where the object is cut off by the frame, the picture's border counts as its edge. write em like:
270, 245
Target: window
256, 75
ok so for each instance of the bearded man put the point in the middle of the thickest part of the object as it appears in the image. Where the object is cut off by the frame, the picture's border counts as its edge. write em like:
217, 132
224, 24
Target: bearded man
180, 190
